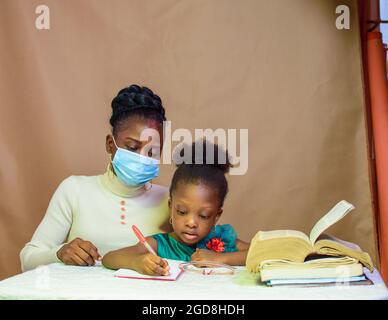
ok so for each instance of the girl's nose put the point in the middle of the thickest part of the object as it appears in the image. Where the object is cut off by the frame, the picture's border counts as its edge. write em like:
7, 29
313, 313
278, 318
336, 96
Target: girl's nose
191, 222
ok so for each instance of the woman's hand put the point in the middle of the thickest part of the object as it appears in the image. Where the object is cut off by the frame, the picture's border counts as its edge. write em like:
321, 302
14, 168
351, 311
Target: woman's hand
206, 255
79, 253
152, 265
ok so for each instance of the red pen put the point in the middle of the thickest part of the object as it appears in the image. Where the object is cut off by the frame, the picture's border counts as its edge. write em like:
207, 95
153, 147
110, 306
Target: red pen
142, 239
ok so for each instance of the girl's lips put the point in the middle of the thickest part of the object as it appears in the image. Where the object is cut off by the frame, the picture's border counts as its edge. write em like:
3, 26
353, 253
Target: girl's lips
190, 236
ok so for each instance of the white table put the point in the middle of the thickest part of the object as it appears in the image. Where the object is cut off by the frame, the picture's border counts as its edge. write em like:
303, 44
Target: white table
57, 281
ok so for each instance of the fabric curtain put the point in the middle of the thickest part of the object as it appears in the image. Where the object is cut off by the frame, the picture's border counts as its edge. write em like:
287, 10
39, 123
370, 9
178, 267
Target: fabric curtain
280, 69
379, 109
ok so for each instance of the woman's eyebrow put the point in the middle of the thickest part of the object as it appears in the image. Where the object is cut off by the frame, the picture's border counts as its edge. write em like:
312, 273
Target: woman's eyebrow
132, 139
141, 142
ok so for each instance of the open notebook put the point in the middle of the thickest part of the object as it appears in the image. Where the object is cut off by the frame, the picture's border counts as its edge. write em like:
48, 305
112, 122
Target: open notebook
175, 272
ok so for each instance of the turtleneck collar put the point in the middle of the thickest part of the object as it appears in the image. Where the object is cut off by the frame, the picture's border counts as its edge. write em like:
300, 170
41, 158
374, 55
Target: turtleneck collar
114, 185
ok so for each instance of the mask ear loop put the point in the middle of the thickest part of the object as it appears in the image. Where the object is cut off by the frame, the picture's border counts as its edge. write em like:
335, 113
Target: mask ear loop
148, 186
110, 167
114, 141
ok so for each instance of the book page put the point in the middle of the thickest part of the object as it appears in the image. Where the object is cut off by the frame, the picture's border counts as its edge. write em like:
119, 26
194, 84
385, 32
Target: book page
350, 245
175, 271
329, 245
276, 234
340, 210
326, 262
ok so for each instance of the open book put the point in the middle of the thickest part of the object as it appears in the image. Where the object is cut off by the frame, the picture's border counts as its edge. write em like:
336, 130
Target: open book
175, 272
295, 246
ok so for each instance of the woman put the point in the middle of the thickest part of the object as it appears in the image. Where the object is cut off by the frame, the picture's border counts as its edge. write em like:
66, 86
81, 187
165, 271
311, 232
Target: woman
91, 215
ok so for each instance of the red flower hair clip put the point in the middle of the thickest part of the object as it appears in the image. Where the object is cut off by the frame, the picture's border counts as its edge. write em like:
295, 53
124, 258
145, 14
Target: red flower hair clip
216, 244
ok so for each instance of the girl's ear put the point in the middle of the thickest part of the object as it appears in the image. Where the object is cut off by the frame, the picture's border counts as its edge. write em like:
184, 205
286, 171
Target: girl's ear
170, 214
218, 215
169, 206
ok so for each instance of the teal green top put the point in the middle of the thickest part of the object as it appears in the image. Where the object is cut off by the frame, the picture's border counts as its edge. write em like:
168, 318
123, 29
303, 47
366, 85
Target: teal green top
221, 238
170, 248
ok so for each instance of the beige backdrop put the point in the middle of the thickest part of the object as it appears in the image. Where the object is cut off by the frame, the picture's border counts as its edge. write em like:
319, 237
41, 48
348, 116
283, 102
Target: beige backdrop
278, 68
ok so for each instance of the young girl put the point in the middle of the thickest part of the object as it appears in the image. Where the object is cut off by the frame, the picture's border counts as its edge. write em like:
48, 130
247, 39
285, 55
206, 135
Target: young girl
197, 194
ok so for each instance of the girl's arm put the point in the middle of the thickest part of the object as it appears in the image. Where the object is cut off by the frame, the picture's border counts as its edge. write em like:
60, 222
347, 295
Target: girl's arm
242, 245
137, 258
237, 258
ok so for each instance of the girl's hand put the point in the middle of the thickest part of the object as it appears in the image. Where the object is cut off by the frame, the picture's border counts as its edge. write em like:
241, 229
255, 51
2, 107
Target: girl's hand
206, 255
153, 265
79, 253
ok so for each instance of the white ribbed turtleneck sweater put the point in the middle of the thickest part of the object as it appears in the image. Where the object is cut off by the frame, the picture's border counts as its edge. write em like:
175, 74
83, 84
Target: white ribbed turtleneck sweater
99, 209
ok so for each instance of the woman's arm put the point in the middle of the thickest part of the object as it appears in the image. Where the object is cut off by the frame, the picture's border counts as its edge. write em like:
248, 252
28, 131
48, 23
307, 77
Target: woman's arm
51, 233
47, 244
137, 258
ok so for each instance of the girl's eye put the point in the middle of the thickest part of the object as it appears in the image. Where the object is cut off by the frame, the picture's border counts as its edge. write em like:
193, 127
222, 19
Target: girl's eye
204, 217
181, 212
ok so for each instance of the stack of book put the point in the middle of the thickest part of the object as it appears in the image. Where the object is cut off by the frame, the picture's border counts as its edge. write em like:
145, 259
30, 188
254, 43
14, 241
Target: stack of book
314, 272
291, 258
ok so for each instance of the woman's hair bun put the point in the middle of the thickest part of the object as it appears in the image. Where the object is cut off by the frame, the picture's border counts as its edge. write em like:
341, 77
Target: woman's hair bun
134, 98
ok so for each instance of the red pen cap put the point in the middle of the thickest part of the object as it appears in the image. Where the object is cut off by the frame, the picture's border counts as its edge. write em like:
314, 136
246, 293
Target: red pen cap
138, 234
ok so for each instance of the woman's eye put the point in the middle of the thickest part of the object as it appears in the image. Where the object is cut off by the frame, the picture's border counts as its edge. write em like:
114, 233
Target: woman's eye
181, 212
154, 153
134, 149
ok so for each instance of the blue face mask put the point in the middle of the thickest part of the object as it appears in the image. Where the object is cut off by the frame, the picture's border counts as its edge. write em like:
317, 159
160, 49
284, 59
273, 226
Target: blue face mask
134, 169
